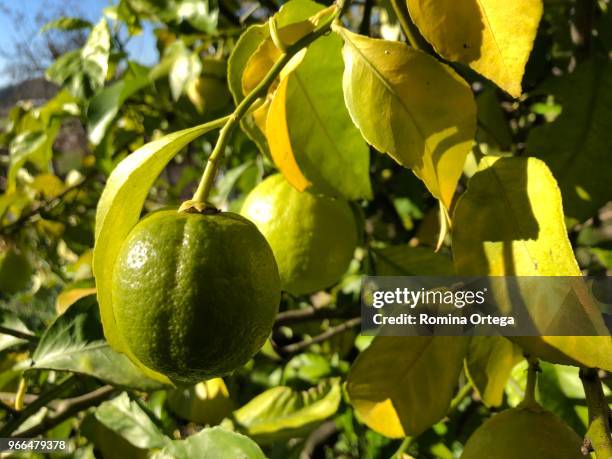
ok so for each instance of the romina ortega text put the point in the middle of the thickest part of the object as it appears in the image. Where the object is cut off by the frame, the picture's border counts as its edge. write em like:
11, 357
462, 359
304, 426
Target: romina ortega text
426, 319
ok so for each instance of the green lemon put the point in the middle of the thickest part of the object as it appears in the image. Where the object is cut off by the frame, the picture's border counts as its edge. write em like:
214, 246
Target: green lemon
525, 432
15, 271
206, 403
195, 295
313, 237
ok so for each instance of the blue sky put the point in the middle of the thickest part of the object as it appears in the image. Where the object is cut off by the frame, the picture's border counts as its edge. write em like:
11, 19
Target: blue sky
141, 48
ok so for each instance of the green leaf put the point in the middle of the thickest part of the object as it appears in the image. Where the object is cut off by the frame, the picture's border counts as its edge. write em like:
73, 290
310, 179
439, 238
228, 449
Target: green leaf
579, 138
560, 391
105, 105
401, 386
126, 418
201, 14
119, 209
309, 128
389, 88
186, 67
214, 442
107, 442
245, 46
489, 363
67, 71
10, 320
494, 38
309, 368
31, 146
493, 127
510, 223
66, 23
74, 342
403, 260
281, 413
95, 53
83, 71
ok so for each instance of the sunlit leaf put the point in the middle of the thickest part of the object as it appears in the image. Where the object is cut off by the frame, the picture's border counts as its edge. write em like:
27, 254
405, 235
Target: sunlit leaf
282, 413
493, 37
105, 105
31, 146
10, 321
312, 139
214, 442
95, 54
208, 402
66, 23
489, 362
401, 386
119, 209
510, 222
74, 342
389, 89
185, 68
579, 138
126, 418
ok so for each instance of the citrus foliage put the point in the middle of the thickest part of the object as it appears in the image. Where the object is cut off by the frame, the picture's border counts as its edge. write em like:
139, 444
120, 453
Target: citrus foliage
478, 127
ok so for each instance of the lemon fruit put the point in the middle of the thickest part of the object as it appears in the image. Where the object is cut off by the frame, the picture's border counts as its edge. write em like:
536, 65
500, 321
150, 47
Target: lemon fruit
206, 403
195, 295
313, 237
525, 432
15, 271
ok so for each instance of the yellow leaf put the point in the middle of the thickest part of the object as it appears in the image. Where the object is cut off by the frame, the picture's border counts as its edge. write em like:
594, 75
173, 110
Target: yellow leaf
277, 134
410, 106
510, 223
68, 298
489, 362
494, 37
401, 386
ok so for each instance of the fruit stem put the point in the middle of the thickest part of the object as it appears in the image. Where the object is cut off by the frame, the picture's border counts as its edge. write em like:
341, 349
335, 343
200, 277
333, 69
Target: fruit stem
260, 91
532, 378
599, 433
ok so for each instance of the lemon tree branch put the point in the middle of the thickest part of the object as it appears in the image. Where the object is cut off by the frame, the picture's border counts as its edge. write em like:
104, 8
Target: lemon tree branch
210, 172
599, 434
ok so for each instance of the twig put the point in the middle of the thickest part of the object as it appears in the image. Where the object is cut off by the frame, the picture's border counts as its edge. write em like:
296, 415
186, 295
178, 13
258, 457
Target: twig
410, 31
598, 434
18, 334
308, 314
532, 377
333, 331
229, 15
37, 404
69, 408
402, 448
364, 27
318, 436
465, 390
